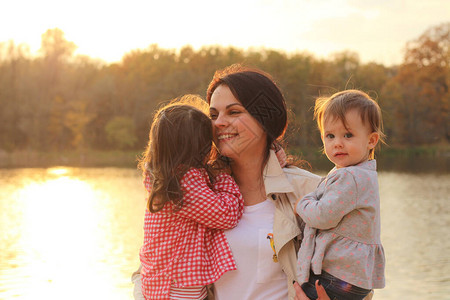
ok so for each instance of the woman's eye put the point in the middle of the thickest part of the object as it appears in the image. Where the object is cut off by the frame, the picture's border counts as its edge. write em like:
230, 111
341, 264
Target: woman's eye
348, 135
213, 116
234, 112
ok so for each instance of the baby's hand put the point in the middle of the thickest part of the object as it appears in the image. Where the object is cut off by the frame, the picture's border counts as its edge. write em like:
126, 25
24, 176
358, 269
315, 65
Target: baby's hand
281, 155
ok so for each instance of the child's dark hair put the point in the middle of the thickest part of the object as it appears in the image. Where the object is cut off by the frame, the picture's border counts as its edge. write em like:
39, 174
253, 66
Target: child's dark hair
180, 138
340, 103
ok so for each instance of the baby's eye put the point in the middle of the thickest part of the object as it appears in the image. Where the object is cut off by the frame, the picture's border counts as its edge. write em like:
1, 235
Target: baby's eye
348, 135
330, 136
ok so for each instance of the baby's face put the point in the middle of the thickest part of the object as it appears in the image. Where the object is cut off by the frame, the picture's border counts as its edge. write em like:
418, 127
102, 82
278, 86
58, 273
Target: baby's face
348, 146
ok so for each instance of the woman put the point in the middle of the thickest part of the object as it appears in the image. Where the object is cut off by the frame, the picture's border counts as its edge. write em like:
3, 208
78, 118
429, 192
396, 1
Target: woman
249, 115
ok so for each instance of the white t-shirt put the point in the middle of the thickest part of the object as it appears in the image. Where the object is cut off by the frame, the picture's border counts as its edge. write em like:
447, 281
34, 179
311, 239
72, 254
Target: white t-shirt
257, 275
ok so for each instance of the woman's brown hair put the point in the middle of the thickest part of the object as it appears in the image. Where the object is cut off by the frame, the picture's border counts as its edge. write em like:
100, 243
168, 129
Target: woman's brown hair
180, 138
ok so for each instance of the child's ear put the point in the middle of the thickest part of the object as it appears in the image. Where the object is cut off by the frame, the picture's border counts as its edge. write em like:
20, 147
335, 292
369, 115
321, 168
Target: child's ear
373, 139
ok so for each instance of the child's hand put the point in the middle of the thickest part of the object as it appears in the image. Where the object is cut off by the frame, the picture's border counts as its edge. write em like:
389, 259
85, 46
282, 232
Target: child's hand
281, 155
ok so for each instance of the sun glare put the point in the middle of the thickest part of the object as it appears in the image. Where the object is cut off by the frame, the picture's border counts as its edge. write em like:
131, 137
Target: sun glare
58, 171
61, 238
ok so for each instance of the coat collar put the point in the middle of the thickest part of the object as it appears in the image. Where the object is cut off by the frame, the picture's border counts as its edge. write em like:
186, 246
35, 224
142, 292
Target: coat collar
275, 180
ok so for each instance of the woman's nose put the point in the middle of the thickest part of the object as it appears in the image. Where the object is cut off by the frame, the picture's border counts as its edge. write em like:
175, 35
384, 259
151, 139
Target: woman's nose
220, 121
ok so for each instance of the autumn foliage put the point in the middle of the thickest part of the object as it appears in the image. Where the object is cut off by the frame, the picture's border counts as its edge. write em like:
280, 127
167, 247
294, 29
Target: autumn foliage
58, 101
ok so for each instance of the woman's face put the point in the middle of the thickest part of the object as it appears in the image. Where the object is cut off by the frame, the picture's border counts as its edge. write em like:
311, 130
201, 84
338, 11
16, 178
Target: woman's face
236, 133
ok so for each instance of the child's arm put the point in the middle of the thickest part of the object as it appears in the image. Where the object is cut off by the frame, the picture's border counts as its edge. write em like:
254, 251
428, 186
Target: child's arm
220, 207
310, 196
338, 199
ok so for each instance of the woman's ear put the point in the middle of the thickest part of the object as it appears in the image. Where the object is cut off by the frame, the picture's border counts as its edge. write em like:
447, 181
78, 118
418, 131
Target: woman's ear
374, 137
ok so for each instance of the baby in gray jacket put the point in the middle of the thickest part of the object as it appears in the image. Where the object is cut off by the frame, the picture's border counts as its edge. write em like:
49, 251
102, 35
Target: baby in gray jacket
341, 246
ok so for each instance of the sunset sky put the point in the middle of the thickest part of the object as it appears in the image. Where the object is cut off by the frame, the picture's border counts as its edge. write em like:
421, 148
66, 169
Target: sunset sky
376, 30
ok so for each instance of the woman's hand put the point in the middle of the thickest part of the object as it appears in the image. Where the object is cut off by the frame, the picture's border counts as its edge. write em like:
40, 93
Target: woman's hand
300, 295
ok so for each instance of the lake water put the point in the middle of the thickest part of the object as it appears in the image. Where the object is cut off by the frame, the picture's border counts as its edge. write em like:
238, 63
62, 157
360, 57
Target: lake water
71, 233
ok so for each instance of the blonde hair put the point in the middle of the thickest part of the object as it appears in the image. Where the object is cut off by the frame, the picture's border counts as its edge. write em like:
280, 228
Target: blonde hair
340, 103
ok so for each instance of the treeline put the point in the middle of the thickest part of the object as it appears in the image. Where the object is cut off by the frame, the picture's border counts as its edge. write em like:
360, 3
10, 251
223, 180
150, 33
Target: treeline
58, 101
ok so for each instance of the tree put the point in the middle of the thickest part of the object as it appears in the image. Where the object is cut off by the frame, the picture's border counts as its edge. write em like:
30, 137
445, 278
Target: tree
58, 101
421, 88
54, 45
16, 87
432, 48
120, 132
76, 120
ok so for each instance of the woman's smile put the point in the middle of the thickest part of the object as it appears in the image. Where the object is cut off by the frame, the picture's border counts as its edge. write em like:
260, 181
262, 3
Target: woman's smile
226, 136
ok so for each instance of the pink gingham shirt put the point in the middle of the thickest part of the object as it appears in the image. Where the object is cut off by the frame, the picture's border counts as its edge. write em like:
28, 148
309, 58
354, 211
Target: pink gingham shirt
188, 247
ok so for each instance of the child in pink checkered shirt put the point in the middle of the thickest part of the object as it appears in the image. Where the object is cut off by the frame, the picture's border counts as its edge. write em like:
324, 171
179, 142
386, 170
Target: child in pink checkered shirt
190, 203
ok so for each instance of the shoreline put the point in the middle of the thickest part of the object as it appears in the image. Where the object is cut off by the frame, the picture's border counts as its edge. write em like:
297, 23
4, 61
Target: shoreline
88, 159
415, 158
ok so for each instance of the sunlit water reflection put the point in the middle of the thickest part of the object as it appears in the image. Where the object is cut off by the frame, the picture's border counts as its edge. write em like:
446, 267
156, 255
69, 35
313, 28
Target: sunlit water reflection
71, 233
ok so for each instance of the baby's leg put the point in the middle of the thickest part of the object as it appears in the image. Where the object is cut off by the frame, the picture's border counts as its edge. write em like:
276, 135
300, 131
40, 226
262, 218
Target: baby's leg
339, 289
